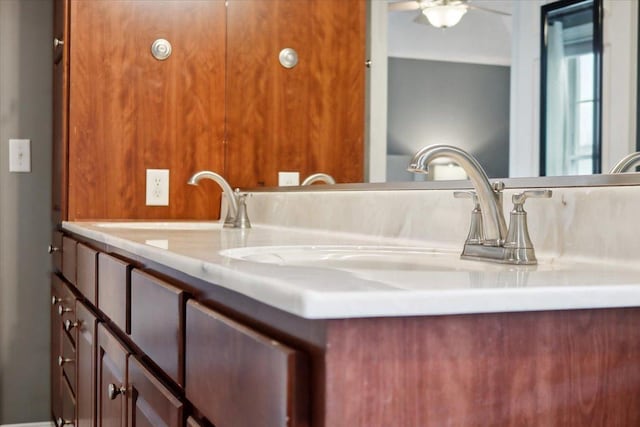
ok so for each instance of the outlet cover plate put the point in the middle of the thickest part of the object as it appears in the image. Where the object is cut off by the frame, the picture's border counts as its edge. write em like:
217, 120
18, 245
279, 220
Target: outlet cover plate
157, 187
19, 155
288, 179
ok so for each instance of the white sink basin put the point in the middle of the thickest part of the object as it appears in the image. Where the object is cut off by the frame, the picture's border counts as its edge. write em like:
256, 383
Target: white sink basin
157, 225
353, 257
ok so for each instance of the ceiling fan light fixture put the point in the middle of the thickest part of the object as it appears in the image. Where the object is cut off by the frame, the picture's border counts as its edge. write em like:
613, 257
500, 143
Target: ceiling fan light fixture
445, 16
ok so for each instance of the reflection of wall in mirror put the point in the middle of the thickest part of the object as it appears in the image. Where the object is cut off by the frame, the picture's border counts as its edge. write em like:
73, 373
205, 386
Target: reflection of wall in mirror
449, 87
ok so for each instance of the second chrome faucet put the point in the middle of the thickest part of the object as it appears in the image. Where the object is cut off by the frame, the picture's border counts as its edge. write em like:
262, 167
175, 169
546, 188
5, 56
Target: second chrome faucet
488, 239
236, 210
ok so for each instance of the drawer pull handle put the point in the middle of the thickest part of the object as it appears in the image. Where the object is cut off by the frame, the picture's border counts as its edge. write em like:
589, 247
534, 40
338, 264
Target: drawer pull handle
113, 391
57, 42
62, 360
69, 325
55, 300
60, 422
62, 310
51, 249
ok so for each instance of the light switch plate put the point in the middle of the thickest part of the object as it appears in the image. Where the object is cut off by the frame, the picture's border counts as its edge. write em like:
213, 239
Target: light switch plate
19, 155
157, 187
288, 179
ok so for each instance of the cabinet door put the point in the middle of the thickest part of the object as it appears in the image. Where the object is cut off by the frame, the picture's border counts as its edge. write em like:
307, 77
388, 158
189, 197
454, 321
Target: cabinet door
111, 380
309, 118
129, 111
237, 377
60, 118
150, 403
86, 365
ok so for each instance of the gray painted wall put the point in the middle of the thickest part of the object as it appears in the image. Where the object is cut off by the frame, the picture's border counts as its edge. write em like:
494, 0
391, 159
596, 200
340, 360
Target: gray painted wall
466, 105
25, 199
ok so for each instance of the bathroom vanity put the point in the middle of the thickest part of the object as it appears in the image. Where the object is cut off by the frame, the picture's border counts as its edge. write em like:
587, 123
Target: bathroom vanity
367, 321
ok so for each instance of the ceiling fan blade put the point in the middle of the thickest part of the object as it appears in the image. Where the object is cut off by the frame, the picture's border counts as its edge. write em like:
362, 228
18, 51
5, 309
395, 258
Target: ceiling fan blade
421, 19
487, 9
404, 6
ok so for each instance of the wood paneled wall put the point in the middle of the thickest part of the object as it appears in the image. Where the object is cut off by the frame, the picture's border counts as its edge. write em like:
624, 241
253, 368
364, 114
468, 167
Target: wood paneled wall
309, 118
221, 101
130, 112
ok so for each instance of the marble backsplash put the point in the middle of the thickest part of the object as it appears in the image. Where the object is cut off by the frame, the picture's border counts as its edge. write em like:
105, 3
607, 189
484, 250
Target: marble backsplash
581, 223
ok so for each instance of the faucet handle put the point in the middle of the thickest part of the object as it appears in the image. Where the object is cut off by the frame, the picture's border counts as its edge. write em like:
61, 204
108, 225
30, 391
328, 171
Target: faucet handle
476, 234
468, 195
518, 199
242, 218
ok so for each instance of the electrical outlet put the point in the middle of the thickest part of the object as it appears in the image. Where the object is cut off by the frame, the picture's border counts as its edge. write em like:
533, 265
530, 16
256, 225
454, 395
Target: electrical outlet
19, 155
288, 179
157, 187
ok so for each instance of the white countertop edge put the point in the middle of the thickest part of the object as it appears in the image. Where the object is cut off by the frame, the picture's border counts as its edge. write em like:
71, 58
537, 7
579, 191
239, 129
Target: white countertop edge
381, 303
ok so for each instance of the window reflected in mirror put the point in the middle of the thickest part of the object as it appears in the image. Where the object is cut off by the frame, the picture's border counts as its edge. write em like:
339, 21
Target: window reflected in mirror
571, 88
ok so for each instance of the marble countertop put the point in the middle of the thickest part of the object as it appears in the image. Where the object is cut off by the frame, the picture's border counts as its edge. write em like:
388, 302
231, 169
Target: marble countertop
445, 286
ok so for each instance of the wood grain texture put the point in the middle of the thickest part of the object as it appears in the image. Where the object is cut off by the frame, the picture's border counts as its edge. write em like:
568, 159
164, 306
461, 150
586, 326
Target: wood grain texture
157, 322
564, 368
130, 112
87, 272
237, 377
309, 118
112, 369
60, 109
86, 350
69, 259
150, 404
114, 289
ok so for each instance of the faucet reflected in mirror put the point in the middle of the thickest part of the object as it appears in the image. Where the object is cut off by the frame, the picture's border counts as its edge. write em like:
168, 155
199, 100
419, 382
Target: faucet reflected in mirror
488, 238
629, 163
319, 177
236, 202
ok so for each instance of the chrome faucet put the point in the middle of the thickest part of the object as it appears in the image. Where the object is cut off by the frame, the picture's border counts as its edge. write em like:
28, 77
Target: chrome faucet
627, 164
489, 196
318, 177
488, 238
236, 209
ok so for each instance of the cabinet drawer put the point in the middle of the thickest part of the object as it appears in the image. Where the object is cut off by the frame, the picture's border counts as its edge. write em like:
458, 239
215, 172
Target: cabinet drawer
238, 377
66, 306
87, 272
67, 360
150, 403
113, 289
157, 322
69, 259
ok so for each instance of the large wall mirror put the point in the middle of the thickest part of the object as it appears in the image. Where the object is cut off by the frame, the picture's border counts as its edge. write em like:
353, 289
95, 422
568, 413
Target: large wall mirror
477, 85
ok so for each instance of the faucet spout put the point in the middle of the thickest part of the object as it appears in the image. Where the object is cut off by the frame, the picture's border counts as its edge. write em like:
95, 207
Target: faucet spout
226, 188
627, 164
319, 177
494, 224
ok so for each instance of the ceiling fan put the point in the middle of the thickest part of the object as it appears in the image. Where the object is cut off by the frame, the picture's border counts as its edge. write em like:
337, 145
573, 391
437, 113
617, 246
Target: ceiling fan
440, 13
